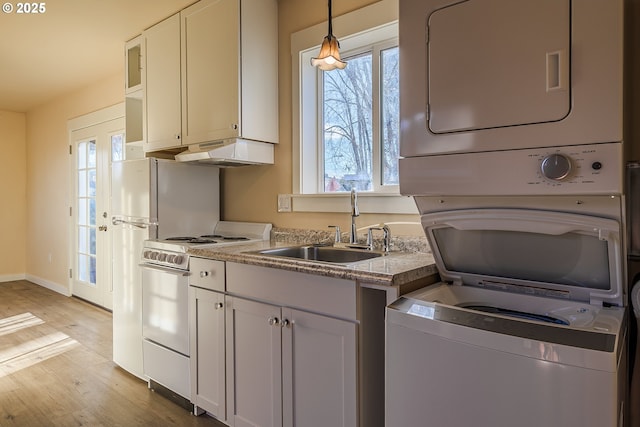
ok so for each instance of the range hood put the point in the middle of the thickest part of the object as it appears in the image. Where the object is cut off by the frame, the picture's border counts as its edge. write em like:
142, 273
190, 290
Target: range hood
229, 152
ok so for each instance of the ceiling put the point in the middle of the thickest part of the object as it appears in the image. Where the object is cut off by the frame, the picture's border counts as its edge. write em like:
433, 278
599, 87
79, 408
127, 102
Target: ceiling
74, 43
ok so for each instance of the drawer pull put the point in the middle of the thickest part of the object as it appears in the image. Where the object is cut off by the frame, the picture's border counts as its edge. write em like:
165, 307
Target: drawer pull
204, 274
217, 305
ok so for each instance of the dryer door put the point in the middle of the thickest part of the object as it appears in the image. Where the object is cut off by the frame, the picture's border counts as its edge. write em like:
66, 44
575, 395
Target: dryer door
495, 63
489, 75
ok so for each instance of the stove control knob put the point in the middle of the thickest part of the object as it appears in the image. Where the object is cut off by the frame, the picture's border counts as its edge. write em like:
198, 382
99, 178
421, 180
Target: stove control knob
162, 257
153, 255
171, 259
178, 259
556, 167
146, 254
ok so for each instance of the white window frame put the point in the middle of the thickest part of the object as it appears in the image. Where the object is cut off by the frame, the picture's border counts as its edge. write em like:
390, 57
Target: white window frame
366, 26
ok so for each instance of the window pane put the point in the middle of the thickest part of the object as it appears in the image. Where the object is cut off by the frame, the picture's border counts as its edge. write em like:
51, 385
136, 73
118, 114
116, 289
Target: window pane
347, 126
389, 128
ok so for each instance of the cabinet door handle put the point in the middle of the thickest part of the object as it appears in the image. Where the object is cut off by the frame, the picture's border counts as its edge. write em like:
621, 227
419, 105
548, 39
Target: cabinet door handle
204, 274
285, 323
217, 305
274, 321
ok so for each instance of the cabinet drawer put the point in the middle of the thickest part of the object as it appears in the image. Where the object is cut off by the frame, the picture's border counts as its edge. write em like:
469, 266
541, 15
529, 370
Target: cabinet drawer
207, 273
326, 295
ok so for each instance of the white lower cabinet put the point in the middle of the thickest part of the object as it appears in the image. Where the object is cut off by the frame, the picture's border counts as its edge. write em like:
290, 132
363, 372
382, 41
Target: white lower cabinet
288, 367
319, 370
273, 348
208, 378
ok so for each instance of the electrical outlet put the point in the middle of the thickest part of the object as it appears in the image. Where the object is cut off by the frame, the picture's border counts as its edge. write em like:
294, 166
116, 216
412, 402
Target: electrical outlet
284, 202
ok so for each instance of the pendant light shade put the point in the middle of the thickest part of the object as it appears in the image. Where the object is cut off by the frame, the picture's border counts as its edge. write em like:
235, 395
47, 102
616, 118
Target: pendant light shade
329, 57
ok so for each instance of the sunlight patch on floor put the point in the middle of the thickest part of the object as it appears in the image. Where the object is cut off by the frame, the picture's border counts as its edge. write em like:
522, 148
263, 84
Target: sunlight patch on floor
12, 324
20, 356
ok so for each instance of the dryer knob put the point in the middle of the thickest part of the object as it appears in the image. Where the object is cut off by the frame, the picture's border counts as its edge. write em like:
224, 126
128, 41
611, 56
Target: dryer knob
556, 167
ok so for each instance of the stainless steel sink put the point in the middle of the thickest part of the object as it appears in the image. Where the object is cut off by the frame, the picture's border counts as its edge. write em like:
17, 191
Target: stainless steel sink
330, 254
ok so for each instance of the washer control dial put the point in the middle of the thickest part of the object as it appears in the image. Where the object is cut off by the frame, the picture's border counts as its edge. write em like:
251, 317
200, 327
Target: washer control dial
556, 167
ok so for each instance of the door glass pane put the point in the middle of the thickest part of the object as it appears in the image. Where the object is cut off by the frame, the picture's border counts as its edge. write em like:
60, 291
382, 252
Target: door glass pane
347, 126
117, 147
91, 178
82, 212
83, 246
82, 155
83, 267
92, 211
389, 128
86, 211
91, 154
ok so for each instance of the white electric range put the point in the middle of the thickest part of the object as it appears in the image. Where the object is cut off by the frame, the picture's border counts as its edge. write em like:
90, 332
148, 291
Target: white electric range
165, 302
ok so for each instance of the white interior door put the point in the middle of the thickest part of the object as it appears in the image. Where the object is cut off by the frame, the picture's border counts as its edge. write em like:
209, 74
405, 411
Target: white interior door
93, 148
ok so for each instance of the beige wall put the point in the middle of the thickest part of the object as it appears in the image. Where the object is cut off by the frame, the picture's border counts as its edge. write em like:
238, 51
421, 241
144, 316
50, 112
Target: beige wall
48, 196
13, 186
250, 194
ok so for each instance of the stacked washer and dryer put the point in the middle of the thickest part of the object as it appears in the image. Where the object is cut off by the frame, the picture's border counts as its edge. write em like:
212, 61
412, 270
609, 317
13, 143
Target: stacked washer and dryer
511, 138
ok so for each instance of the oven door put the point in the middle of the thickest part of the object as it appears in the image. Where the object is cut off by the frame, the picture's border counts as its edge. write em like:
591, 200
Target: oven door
165, 302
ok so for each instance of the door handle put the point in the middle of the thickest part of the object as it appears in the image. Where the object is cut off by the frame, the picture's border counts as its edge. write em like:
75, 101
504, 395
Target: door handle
102, 228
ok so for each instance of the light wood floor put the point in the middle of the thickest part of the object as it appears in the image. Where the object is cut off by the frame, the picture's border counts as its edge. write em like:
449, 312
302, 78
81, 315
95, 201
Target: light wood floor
56, 367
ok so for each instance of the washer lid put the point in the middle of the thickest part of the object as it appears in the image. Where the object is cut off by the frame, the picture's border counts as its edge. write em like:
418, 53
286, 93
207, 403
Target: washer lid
554, 254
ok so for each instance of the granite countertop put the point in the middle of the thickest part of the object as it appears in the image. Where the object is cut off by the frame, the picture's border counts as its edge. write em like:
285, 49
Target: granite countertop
395, 269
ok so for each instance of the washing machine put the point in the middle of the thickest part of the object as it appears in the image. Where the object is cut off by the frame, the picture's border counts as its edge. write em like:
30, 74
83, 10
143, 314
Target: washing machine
527, 327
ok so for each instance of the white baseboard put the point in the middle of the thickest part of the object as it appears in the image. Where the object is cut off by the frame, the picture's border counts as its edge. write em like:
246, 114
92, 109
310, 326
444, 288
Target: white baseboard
56, 287
11, 277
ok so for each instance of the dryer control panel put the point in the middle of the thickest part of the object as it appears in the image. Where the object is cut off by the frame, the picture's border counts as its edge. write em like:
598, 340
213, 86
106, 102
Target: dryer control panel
580, 169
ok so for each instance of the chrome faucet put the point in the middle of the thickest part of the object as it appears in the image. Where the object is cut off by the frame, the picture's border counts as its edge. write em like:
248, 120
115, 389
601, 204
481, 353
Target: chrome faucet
386, 237
353, 238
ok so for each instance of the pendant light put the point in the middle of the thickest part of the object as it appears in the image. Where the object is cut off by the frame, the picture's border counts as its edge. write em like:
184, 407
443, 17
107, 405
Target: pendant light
329, 57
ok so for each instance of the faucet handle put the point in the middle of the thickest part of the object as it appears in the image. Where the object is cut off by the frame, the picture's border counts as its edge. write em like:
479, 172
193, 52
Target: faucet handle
337, 236
386, 237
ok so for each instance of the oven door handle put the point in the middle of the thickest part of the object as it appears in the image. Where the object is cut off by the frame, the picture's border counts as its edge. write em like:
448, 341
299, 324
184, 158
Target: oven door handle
165, 269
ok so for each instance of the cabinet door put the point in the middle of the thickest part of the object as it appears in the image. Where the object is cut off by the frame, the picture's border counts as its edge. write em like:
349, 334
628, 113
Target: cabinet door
510, 65
208, 385
319, 370
254, 369
210, 73
162, 84
133, 65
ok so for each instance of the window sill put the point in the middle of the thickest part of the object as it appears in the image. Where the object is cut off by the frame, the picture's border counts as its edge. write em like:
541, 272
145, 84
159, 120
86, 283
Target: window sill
341, 202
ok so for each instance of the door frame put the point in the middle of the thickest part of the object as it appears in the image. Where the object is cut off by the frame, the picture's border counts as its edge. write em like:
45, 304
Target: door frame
98, 117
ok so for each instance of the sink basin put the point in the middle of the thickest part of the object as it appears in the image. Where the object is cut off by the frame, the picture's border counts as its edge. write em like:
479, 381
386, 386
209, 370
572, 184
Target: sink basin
322, 253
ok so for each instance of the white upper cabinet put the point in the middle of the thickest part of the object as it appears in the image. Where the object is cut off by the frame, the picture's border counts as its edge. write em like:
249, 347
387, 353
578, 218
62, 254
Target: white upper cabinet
211, 74
133, 65
162, 96
134, 84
